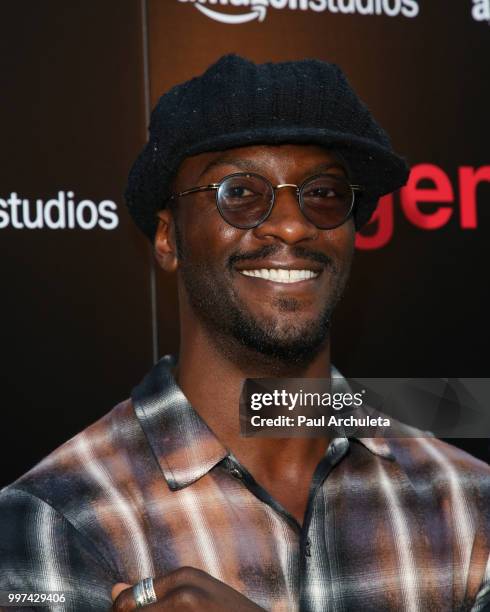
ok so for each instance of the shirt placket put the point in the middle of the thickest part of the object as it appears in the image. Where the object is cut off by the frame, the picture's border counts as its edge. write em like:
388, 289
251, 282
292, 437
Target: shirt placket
336, 450
315, 575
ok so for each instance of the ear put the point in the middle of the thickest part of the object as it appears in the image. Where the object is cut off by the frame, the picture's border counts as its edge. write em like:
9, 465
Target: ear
165, 244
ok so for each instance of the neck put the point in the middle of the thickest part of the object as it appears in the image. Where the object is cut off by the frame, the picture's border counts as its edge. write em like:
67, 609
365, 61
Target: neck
211, 377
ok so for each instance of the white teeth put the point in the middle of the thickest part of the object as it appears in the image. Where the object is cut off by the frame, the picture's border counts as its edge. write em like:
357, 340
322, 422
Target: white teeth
280, 275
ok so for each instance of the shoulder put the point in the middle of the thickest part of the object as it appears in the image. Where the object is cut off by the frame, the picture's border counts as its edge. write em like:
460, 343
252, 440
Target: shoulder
86, 469
447, 471
426, 452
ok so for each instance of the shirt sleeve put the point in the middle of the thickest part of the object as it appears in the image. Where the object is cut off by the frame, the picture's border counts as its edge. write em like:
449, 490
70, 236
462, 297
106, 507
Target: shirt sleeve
42, 552
482, 601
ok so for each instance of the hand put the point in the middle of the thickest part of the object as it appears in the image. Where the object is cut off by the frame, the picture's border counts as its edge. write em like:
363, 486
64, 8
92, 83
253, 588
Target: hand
186, 589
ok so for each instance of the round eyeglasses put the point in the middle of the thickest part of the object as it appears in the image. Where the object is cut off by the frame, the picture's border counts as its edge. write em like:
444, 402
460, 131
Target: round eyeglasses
245, 199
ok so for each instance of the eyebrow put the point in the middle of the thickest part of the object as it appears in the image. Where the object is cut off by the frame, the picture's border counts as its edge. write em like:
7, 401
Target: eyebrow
248, 165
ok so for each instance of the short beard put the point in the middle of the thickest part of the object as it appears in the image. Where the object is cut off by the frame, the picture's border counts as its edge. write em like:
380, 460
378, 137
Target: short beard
232, 327
298, 346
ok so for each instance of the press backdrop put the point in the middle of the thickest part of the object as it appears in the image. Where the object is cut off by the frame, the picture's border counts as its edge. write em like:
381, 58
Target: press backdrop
84, 312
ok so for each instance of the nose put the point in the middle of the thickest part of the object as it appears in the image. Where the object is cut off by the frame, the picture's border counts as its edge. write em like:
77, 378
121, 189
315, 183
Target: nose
286, 221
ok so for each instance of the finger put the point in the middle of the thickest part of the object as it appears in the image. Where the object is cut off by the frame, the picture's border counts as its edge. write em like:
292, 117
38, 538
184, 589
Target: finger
117, 588
182, 599
183, 577
185, 580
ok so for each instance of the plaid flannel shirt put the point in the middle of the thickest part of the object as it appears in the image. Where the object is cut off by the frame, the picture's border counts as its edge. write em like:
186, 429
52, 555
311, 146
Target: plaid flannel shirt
399, 524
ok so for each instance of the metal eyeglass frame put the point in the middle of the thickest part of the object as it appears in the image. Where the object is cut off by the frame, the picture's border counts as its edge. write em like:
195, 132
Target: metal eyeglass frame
299, 195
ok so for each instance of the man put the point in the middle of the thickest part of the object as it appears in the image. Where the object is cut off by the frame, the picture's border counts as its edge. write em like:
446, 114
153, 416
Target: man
251, 187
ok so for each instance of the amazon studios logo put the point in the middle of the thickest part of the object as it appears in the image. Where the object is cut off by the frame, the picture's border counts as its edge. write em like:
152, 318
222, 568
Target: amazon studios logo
481, 10
61, 212
257, 9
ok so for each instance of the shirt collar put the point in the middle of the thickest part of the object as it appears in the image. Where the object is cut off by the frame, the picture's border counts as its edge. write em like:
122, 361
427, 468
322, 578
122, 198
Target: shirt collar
377, 446
184, 446
182, 443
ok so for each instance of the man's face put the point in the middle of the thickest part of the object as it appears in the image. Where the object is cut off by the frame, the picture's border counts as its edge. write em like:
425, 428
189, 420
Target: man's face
222, 267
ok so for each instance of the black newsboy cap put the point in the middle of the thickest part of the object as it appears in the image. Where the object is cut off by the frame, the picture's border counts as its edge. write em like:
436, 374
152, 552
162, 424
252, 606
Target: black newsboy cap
238, 103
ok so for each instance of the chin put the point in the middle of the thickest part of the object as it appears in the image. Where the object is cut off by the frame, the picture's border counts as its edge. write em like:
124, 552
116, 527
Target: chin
285, 340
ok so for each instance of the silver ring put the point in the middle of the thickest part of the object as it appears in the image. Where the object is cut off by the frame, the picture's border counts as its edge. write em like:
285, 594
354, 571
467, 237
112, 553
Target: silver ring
144, 593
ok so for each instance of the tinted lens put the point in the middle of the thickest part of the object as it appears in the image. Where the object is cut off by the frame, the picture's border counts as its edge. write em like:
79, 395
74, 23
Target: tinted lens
327, 200
244, 200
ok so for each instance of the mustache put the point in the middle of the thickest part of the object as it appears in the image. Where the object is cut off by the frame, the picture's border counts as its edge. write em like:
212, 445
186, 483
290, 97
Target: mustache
274, 249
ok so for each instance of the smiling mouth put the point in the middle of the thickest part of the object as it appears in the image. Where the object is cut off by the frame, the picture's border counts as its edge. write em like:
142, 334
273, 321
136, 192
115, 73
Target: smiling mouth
280, 275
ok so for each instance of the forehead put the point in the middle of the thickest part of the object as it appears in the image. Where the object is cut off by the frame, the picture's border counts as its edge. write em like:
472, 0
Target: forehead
293, 160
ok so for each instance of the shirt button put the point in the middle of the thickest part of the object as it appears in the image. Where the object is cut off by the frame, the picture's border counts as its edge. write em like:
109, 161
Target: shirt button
236, 473
308, 547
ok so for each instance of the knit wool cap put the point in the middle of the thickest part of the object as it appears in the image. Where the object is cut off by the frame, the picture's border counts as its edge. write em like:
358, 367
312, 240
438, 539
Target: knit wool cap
238, 103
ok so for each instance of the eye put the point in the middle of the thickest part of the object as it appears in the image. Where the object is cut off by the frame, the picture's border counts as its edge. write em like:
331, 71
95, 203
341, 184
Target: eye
327, 190
321, 192
238, 191
242, 190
